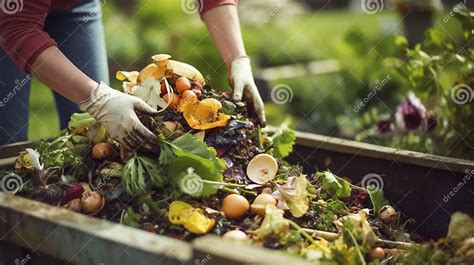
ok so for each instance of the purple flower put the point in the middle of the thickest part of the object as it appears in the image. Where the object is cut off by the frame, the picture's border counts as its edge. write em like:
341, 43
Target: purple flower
410, 113
431, 123
384, 126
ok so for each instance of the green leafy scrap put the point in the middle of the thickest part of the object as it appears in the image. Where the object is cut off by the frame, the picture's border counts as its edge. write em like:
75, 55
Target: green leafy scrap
187, 152
81, 120
283, 143
138, 173
207, 169
376, 197
334, 185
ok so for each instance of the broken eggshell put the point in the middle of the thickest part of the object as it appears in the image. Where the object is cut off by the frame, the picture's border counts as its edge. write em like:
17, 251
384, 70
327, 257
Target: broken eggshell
235, 235
262, 168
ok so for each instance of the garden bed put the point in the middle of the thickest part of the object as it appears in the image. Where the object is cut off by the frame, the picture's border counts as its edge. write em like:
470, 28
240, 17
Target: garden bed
416, 183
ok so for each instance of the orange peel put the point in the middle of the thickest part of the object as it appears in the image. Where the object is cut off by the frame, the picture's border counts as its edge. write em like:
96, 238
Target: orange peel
204, 114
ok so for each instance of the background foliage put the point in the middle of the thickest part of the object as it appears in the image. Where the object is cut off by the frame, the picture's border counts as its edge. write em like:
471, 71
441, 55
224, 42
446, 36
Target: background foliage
135, 30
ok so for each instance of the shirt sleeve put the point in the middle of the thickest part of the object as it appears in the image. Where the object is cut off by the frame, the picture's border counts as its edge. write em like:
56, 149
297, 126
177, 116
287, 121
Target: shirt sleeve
21, 33
206, 5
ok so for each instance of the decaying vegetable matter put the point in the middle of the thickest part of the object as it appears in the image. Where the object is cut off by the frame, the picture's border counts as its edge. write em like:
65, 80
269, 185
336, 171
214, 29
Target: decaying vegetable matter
217, 172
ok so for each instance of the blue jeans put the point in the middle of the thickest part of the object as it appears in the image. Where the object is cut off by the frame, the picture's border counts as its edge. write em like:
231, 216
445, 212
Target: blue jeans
79, 34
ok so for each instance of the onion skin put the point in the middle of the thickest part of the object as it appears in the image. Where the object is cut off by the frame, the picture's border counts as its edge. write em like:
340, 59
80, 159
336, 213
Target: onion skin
377, 253
92, 202
103, 151
260, 202
75, 191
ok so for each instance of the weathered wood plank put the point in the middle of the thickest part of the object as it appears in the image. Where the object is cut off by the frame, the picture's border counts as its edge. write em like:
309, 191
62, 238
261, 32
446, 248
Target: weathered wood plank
376, 151
79, 239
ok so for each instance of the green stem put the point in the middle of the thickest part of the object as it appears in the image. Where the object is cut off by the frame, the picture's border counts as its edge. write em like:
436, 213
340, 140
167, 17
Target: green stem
259, 136
229, 190
357, 248
223, 183
302, 232
247, 191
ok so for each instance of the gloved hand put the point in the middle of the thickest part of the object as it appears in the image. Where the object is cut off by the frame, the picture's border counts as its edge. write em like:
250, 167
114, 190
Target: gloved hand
116, 112
242, 82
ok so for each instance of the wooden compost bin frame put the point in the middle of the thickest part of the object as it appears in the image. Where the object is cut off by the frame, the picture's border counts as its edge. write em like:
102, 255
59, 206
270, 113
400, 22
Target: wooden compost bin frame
52, 235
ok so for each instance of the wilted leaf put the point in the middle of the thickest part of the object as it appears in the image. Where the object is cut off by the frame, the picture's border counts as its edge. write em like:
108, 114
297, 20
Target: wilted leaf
294, 193
460, 227
273, 224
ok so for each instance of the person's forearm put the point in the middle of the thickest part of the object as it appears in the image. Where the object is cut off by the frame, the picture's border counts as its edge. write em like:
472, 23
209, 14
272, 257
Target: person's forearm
57, 72
223, 24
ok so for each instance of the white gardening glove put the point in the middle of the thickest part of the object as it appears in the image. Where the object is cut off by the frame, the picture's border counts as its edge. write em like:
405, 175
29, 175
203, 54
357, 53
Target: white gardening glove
116, 112
242, 81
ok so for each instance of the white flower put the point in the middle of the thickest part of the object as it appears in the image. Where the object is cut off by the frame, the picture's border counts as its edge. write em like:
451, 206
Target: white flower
150, 91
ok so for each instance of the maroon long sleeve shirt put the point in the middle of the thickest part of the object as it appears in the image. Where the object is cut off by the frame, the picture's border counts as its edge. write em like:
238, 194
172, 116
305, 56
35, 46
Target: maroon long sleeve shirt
22, 36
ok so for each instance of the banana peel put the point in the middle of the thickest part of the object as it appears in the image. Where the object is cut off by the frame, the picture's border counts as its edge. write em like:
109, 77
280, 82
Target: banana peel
171, 67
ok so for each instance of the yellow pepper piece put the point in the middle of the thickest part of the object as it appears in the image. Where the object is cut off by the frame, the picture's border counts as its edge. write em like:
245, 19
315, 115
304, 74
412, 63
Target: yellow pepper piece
198, 223
24, 160
179, 212
127, 76
204, 115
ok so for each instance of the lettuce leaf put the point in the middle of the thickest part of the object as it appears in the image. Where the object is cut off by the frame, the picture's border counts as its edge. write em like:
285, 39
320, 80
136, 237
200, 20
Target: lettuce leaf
283, 143
334, 185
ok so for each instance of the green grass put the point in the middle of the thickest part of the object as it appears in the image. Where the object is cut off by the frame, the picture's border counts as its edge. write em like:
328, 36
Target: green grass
44, 121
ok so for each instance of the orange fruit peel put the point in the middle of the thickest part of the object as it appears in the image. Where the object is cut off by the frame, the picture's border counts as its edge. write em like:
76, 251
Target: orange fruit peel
204, 114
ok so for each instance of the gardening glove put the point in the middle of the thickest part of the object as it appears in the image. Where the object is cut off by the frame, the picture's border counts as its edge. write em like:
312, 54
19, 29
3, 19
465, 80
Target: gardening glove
116, 112
242, 81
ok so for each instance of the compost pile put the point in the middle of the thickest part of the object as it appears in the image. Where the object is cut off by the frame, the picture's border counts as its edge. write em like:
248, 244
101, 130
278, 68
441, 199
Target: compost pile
216, 172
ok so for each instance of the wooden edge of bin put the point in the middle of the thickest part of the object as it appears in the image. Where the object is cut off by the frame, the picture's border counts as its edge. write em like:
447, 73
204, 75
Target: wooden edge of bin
217, 250
340, 145
81, 239
78, 238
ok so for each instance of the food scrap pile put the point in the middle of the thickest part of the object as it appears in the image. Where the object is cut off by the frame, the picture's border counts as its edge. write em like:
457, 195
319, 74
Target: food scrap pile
217, 172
